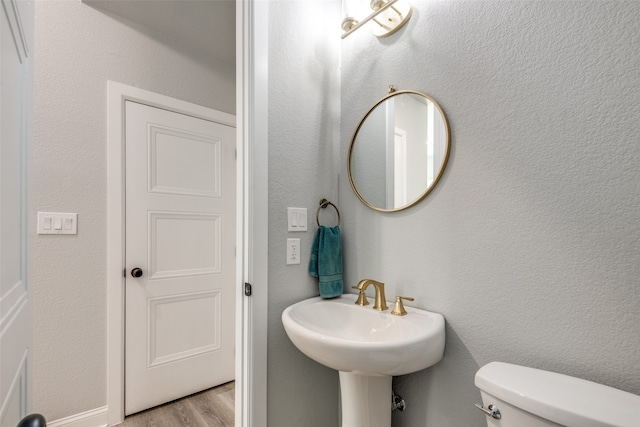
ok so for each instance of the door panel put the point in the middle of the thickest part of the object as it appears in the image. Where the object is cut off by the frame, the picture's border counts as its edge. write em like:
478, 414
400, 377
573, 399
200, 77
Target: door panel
16, 35
170, 316
166, 228
180, 230
172, 152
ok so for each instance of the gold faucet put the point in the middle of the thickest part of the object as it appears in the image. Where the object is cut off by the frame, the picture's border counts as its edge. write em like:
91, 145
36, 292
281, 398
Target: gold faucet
381, 303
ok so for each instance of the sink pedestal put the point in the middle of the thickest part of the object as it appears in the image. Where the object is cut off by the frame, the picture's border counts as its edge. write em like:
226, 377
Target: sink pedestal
366, 400
368, 347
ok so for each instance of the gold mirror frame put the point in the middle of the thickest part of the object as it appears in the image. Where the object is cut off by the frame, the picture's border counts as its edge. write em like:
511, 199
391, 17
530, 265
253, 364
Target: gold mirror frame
441, 169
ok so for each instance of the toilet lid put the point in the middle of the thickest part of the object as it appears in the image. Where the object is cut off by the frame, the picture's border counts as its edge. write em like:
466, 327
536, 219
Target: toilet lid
559, 398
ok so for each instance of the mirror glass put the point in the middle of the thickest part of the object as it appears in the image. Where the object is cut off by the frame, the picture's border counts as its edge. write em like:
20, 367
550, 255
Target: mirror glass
399, 151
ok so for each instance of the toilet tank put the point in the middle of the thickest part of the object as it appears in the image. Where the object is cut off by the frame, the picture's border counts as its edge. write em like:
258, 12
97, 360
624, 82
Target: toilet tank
555, 399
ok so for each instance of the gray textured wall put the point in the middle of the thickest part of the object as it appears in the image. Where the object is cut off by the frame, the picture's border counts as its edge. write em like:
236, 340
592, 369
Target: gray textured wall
304, 108
78, 49
530, 244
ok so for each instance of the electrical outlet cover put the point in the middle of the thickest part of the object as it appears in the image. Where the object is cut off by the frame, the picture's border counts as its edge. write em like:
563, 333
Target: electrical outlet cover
293, 251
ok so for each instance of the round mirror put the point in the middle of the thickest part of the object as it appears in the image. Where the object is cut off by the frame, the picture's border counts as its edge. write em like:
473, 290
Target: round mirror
399, 151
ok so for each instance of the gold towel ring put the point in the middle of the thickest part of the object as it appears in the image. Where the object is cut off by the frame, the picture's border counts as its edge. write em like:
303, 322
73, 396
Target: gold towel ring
323, 204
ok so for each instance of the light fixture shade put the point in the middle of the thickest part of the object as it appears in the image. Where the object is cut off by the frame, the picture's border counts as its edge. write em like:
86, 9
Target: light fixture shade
355, 9
348, 23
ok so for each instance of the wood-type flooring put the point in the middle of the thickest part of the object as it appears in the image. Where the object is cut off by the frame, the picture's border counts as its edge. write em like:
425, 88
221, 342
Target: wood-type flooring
209, 408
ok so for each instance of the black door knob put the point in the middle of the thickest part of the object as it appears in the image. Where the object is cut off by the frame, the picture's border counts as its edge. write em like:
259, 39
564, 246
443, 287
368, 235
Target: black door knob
136, 272
33, 420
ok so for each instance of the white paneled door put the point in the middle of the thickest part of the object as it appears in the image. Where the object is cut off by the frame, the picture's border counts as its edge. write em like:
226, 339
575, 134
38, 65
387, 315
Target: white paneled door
180, 255
16, 44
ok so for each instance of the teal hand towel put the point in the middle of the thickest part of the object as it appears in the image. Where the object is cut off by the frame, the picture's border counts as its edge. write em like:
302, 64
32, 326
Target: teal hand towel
326, 261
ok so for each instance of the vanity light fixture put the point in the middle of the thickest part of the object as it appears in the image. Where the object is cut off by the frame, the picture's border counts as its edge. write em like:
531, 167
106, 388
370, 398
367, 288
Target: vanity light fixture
388, 17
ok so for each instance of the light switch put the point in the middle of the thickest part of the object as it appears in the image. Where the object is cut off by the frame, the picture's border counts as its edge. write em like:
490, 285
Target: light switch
57, 223
297, 219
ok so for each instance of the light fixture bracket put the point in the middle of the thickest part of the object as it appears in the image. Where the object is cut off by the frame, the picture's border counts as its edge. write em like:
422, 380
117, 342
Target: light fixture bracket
388, 16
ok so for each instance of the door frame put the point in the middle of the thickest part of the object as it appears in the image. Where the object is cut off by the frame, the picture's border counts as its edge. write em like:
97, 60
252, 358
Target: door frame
117, 95
252, 107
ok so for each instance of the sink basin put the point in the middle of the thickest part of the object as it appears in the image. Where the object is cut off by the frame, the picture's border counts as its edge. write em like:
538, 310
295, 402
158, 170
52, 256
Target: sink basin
367, 347
350, 338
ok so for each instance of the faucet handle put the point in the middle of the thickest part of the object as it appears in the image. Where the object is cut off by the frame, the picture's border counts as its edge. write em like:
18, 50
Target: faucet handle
362, 297
398, 308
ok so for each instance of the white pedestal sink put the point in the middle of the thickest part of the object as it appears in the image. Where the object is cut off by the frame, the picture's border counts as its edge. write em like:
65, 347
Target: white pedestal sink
368, 347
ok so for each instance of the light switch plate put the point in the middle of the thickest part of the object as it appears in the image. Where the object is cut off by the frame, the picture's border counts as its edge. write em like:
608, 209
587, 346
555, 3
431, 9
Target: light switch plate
57, 223
297, 218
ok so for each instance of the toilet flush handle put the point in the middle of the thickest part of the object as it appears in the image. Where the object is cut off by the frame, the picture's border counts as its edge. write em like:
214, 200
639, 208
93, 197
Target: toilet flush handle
491, 411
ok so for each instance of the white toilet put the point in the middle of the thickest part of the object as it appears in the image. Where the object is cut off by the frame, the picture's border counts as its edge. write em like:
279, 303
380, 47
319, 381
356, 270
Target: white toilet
517, 396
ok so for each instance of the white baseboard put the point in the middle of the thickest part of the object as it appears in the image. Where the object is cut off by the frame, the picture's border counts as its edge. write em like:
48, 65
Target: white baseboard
93, 418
